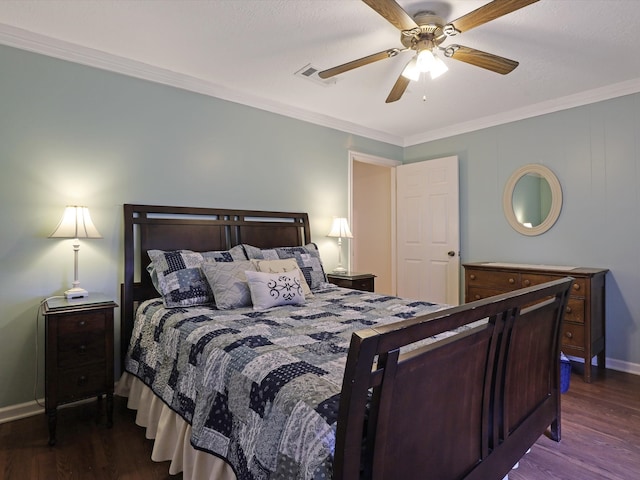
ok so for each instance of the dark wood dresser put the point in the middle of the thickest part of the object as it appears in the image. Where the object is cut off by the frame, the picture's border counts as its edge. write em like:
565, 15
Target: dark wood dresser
79, 353
583, 331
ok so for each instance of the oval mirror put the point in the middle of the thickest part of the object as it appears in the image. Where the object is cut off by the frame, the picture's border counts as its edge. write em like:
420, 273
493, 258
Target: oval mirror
532, 199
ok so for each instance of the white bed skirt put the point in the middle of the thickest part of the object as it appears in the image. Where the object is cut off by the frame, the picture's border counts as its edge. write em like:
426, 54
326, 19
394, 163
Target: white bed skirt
170, 434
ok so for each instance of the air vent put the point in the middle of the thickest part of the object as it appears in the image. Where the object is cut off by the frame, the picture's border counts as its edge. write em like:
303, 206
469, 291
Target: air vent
309, 72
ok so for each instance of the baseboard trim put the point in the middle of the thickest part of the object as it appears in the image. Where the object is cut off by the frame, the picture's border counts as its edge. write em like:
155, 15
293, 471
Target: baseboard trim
21, 410
612, 364
29, 409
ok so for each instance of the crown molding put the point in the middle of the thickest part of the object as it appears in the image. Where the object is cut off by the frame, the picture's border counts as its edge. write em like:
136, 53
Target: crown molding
42, 44
564, 103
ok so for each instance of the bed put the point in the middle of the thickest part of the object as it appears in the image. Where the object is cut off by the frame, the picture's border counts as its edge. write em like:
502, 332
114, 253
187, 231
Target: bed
340, 384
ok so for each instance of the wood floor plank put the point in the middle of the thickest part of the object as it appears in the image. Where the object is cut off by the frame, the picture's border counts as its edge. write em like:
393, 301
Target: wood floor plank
600, 440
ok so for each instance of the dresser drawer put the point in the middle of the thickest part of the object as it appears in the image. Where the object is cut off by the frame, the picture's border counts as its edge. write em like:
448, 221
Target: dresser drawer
480, 293
575, 311
505, 281
81, 382
573, 335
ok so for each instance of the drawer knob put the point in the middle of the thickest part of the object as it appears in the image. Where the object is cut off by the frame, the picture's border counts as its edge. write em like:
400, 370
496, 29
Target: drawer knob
82, 380
512, 281
82, 323
476, 296
576, 286
472, 276
82, 349
569, 310
569, 334
527, 283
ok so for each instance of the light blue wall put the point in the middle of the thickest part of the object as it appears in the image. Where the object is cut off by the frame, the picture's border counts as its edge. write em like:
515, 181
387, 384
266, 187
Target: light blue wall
70, 134
73, 134
595, 151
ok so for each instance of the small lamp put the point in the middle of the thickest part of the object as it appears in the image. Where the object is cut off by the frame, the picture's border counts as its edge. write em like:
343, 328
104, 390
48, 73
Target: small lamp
76, 223
340, 230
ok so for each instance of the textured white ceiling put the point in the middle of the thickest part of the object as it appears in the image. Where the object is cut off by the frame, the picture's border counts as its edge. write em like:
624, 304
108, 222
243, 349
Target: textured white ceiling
570, 52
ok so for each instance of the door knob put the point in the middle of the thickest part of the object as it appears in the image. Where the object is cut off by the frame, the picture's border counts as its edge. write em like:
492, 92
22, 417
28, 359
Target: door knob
451, 253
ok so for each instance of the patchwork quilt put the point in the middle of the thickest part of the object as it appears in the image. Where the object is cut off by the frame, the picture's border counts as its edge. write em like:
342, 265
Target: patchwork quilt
260, 388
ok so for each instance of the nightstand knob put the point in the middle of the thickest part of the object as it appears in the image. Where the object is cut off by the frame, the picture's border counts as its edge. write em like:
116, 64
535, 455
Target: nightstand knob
82, 349
576, 286
569, 335
82, 323
82, 380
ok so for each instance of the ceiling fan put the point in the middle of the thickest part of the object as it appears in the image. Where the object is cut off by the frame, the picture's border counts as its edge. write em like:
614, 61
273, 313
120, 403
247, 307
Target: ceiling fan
424, 33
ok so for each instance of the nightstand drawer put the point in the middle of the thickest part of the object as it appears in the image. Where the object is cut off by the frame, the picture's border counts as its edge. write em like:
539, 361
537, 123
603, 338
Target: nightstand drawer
74, 350
80, 324
356, 281
81, 382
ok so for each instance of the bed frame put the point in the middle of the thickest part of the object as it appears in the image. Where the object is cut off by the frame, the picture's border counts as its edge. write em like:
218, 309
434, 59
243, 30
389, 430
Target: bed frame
467, 407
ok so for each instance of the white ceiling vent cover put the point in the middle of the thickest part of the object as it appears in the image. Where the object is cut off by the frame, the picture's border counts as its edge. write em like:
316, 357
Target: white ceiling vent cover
310, 72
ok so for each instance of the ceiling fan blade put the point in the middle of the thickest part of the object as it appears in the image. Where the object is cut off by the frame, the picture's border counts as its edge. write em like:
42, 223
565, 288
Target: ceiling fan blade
481, 59
345, 67
484, 14
394, 13
398, 89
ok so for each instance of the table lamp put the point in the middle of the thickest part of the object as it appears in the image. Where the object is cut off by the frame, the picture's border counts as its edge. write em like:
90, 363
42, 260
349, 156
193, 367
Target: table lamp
76, 223
340, 230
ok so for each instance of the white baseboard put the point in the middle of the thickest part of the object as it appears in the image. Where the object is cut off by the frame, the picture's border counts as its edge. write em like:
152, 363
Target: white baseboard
22, 410
29, 409
613, 364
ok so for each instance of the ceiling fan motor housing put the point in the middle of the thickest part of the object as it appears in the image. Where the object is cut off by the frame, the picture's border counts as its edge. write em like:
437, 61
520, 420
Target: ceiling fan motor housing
428, 35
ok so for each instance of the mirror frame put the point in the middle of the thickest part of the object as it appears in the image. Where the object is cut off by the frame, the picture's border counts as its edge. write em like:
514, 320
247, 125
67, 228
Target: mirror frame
556, 199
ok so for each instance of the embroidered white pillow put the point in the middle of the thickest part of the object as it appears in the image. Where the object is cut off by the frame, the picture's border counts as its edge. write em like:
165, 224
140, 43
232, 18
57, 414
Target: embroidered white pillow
274, 289
283, 265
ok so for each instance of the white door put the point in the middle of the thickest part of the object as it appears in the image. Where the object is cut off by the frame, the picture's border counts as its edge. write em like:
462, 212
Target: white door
428, 243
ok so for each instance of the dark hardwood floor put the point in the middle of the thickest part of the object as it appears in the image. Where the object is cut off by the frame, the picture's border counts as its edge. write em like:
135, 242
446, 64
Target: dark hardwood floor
600, 440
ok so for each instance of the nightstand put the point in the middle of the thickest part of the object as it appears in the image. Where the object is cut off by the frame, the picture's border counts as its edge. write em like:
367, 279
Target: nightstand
79, 353
357, 281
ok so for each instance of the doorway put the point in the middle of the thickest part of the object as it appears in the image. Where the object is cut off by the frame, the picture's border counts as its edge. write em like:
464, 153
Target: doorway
372, 217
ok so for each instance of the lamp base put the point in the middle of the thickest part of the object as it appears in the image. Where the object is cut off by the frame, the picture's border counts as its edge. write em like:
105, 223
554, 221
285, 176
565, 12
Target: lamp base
340, 269
76, 292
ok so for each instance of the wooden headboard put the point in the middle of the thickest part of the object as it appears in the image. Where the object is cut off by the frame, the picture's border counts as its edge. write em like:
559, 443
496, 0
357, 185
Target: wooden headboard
148, 227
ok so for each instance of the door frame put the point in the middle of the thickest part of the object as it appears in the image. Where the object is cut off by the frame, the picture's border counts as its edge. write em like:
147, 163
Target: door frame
355, 156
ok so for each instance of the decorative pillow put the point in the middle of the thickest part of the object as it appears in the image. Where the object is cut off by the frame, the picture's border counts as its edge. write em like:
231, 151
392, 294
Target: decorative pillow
280, 266
307, 257
180, 279
275, 289
229, 283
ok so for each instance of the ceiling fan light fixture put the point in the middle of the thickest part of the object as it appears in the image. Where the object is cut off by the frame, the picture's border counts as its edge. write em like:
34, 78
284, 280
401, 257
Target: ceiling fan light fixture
438, 67
411, 71
424, 60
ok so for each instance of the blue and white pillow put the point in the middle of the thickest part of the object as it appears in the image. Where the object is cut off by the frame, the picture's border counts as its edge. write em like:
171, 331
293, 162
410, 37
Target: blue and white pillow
307, 257
180, 279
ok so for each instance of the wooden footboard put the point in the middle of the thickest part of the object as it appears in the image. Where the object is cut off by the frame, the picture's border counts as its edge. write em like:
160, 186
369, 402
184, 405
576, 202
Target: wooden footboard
467, 407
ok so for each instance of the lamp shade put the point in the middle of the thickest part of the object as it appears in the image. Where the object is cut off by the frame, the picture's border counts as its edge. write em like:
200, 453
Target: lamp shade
340, 228
76, 223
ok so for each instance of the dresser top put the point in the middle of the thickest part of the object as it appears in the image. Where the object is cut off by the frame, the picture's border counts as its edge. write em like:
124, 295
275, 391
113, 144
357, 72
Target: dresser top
562, 269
